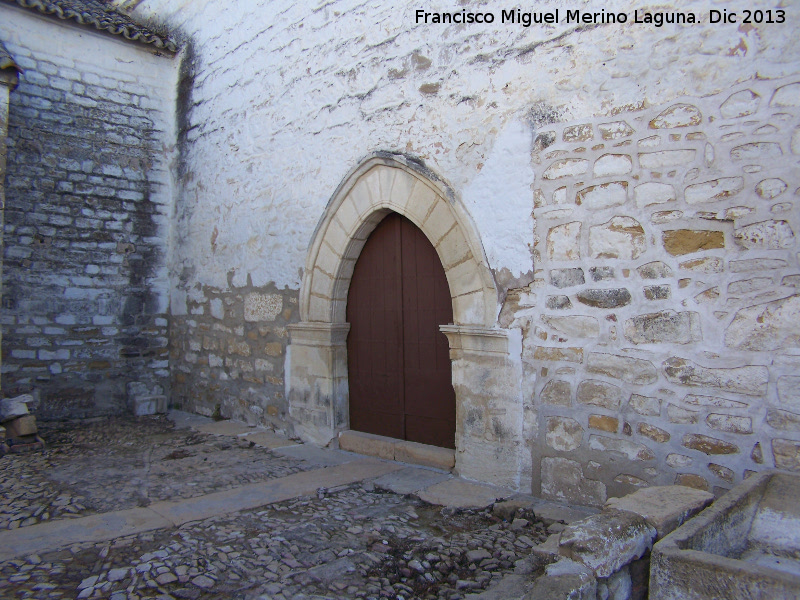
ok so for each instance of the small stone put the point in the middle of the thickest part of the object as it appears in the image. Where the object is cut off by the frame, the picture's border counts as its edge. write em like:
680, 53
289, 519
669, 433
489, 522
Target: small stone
693, 481
168, 577
557, 392
518, 524
653, 432
88, 582
686, 241
600, 298
563, 433
599, 393
708, 445
204, 582
677, 115
117, 574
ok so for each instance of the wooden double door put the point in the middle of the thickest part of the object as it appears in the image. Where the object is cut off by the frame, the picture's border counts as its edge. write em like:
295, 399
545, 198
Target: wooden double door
398, 361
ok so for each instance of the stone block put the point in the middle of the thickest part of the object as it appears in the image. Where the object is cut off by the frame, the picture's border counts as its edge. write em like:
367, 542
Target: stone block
149, 405
563, 587
563, 241
693, 481
644, 405
654, 433
604, 423
789, 392
563, 433
367, 443
664, 327
458, 493
686, 241
740, 104
708, 445
650, 193
574, 326
562, 278
665, 508
711, 191
21, 426
766, 327
567, 167
677, 115
625, 368
262, 307
631, 450
563, 480
578, 133
557, 392
615, 130
776, 418
665, 158
620, 237
11, 408
732, 423
748, 380
605, 195
607, 541
770, 188
599, 393
765, 235
786, 454
677, 414
757, 151
558, 354
423, 454
612, 298
613, 164
654, 270
558, 302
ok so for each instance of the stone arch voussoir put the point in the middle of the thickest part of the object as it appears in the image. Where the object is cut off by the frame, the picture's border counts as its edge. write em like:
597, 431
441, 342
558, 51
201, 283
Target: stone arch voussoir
390, 183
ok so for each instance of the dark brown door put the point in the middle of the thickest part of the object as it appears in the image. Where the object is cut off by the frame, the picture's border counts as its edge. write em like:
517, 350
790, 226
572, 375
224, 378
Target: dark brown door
398, 360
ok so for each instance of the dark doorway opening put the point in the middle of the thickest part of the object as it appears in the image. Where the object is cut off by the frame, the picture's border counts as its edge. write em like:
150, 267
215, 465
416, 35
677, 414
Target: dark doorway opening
398, 361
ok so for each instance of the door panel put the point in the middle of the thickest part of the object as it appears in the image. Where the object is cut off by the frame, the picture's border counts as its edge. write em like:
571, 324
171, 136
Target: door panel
399, 364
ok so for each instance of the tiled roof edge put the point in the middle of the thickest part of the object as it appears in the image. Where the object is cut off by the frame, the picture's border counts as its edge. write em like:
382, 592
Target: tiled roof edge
101, 17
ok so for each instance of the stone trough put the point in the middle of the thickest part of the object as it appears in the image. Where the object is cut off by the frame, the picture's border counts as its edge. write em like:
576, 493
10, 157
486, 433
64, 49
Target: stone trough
745, 546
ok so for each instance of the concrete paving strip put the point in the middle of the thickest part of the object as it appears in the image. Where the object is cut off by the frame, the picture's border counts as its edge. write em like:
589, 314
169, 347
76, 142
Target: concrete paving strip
161, 515
318, 456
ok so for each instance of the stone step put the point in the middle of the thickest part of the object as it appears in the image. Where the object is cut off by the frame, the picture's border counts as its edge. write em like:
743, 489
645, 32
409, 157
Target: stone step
399, 450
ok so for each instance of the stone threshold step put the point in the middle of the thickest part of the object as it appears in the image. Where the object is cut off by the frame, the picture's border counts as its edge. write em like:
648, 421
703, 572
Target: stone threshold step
398, 450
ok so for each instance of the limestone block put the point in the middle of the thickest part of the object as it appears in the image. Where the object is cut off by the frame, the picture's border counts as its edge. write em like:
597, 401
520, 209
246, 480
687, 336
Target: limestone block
748, 380
731, 423
558, 354
423, 454
262, 307
11, 408
766, 327
716, 189
786, 454
679, 461
781, 419
657, 292
601, 273
564, 587
708, 264
630, 450
625, 368
664, 327
613, 164
567, 167
597, 197
618, 586
677, 115
366, 443
615, 130
708, 445
21, 426
557, 392
686, 241
599, 393
607, 541
149, 405
620, 237
740, 104
766, 235
453, 248
693, 481
654, 433
574, 325
786, 96
722, 472
665, 508
563, 241
747, 286
612, 298
644, 405
682, 416
770, 188
650, 193
439, 222
562, 278
761, 151
789, 392
563, 480
654, 270
666, 158
578, 133
558, 302
756, 264
563, 433
713, 401
604, 423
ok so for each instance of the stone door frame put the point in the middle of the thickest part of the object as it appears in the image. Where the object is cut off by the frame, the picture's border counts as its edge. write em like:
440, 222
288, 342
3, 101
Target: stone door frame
317, 385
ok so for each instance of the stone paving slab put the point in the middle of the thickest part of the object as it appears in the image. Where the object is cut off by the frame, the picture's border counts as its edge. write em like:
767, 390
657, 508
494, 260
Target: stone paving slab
410, 480
94, 528
277, 490
457, 493
224, 428
159, 515
267, 439
317, 456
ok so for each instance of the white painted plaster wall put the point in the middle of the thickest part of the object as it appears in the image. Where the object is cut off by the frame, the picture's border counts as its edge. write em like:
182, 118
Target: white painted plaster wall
290, 96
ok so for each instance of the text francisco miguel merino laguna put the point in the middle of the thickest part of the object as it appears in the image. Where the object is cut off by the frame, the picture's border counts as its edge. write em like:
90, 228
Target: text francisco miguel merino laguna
657, 19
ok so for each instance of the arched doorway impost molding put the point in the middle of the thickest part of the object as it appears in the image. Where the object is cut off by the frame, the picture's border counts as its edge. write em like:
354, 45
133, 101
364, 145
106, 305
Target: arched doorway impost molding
381, 184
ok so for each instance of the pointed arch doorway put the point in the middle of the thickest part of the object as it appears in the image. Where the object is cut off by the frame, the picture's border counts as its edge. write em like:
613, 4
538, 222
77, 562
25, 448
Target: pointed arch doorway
399, 367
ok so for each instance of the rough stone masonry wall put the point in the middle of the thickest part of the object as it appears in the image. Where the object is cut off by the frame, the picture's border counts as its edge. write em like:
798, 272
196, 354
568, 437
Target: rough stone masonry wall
664, 321
85, 292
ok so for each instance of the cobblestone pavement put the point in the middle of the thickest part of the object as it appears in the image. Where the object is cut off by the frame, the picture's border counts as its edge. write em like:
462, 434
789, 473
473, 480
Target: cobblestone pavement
355, 541
118, 463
